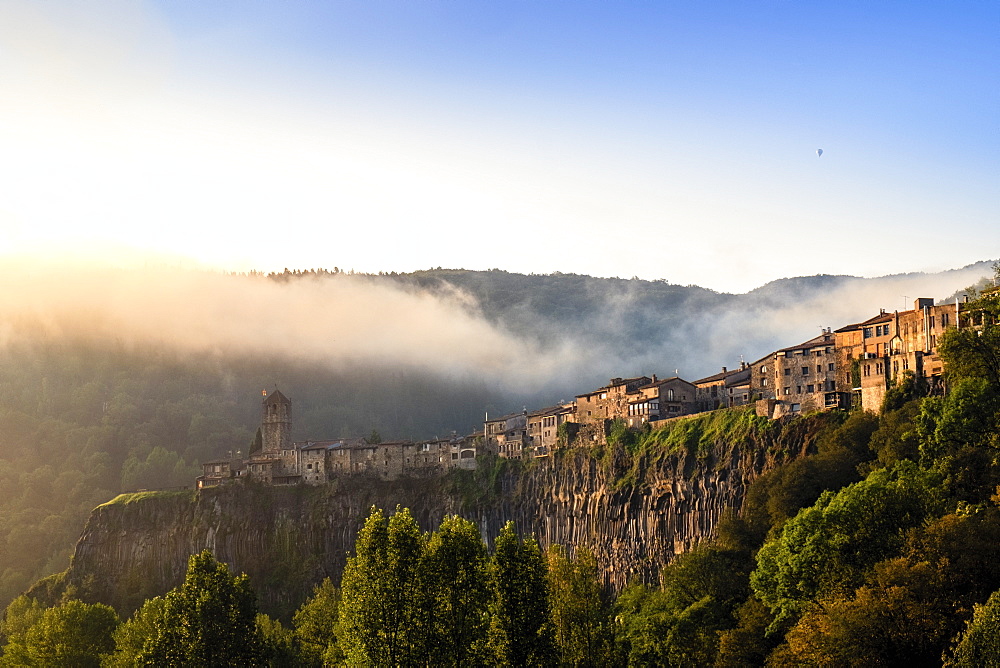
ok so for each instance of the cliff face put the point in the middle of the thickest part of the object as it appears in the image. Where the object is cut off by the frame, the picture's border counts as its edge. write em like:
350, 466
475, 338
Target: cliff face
635, 511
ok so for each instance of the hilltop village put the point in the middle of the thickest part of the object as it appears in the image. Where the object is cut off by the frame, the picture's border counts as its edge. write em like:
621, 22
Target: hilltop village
851, 366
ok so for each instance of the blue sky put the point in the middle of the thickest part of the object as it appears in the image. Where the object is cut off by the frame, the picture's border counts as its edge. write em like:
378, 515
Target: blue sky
660, 139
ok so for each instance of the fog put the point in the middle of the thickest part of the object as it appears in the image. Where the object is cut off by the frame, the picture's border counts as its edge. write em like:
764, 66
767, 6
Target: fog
348, 321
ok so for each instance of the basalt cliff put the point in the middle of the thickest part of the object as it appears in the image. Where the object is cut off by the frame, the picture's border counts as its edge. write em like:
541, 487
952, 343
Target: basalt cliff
635, 505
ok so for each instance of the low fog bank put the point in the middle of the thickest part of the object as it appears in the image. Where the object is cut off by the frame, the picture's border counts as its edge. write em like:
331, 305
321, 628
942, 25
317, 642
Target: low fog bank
339, 323
525, 348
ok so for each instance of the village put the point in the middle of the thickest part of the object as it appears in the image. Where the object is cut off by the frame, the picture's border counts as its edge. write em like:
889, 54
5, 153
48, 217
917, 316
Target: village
851, 366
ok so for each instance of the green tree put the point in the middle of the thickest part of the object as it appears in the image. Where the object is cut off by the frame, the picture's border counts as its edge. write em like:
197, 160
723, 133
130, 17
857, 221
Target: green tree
520, 629
209, 620
20, 615
281, 648
580, 617
979, 645
132, 635
316, 625
380, 608
827, 548
72, 633
453, 576
680, 623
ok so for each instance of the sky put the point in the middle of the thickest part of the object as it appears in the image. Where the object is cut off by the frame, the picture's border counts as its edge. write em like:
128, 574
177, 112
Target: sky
664, 140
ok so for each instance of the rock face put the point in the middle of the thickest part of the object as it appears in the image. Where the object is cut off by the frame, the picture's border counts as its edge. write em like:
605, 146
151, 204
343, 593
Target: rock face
634, 511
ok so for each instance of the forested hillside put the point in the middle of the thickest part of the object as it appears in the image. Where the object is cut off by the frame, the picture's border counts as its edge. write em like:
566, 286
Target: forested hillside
123, 380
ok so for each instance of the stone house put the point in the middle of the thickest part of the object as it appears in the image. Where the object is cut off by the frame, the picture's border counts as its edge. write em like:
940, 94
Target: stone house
800, 378
883, 348
660, 400
728, 388
508, 434
610, 401
543, 427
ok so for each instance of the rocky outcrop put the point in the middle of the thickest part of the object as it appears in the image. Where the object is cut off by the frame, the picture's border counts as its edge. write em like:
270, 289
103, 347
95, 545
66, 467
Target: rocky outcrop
635, 510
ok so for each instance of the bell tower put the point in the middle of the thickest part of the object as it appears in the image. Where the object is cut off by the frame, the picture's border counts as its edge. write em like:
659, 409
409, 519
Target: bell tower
276, 423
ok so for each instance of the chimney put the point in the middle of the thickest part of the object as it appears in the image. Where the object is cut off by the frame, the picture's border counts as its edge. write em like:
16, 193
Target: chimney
723, 369
654, 377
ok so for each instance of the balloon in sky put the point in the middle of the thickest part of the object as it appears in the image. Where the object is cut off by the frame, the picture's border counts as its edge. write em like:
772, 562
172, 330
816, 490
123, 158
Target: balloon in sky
819, 152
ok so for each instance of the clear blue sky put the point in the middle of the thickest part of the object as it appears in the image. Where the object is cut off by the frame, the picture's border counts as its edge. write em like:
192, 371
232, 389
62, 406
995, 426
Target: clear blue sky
670, 140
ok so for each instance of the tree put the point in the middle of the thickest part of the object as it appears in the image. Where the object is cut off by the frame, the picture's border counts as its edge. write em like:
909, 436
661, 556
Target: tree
132, 635
680, 623
520, 631
70, 634
380, 611
209, 620
316, 625
979, 645
453, 576
828, 548
579, 615
281, 648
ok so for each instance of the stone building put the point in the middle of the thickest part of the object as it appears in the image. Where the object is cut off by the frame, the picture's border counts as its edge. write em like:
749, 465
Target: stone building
543, 427
660, 400
883, 348
508, 435
279, 461
798, 379
608, 402
728, 388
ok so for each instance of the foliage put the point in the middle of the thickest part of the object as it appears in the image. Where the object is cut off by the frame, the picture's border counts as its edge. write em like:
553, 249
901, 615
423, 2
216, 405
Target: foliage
959, 437
82, 420
680, 623
453, 577
132, 635
315, 625
209, 620
280, 647
828, 548
380, 614
520, 631
70, 634
906, 388
980, 642
580, 617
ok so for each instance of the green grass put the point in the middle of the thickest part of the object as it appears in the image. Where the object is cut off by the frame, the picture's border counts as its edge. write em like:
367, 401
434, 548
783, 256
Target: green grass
137, 497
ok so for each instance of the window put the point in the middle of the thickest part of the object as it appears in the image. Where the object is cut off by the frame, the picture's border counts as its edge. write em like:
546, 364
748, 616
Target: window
944, 319
805, 371
829, 367
868, 332
798, 389
809, 388
788, 372
788, 390
763, 382
763, 369
819, 368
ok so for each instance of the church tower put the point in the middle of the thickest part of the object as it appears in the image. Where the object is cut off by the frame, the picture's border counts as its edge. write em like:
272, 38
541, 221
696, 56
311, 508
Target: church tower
276, 423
